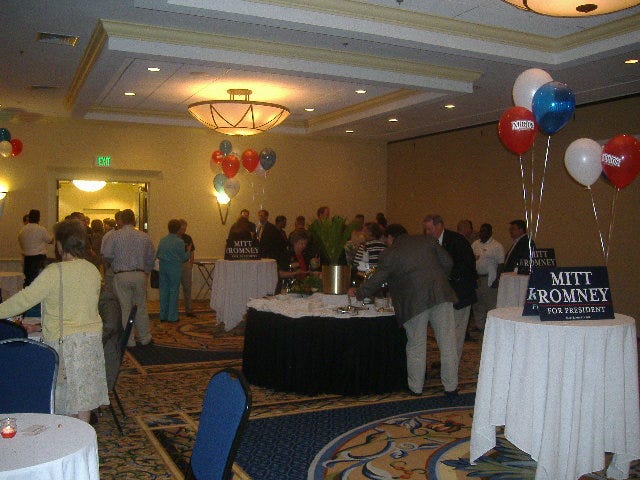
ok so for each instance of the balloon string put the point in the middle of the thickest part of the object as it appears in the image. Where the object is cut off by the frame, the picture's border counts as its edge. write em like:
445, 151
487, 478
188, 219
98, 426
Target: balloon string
524, 189
544, 171
595, 214
529, 218
613, 216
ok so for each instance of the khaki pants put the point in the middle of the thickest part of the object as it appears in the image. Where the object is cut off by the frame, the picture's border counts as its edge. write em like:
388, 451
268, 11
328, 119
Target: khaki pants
441, 318
131, 289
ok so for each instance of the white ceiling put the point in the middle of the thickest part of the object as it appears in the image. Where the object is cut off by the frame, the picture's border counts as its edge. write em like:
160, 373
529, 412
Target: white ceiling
412, 57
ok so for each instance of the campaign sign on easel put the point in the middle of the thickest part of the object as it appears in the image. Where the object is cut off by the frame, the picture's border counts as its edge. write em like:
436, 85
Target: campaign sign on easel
541, 257
572, 293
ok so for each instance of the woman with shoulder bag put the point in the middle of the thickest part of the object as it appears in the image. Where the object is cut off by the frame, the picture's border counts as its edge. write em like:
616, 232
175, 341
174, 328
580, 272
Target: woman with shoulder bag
68, 291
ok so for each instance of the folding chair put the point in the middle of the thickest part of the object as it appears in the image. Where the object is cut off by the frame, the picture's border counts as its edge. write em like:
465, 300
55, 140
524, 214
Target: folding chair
225, 412
123, 345
9, 329
29, 373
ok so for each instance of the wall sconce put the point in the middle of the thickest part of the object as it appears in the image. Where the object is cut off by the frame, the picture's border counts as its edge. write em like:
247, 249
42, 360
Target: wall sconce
3, 194
223, 199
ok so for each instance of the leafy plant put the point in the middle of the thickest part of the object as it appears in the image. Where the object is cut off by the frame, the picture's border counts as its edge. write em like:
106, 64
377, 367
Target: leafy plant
331, 235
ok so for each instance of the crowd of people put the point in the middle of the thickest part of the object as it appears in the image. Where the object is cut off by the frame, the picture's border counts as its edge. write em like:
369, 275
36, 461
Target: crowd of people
436, 278
86, 296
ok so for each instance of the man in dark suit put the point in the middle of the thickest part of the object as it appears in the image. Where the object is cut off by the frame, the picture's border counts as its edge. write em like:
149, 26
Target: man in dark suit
463, 277
520, 249
416, 269
268, 237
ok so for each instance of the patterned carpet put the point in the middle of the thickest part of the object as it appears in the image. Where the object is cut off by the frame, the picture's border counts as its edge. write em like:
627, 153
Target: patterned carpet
163, 401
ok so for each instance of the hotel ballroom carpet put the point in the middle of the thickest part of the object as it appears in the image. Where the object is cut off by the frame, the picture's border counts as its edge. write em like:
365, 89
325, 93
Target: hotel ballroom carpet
162, 386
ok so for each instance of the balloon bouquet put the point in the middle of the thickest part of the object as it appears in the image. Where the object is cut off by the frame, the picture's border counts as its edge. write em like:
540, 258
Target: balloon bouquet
9, 147
618, 161
541, 104
225, 183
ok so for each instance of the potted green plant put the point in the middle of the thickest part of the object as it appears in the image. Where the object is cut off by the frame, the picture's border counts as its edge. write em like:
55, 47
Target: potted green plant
330, 236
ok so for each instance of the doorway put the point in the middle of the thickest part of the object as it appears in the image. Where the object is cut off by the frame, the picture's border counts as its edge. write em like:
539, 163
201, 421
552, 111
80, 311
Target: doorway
105, 202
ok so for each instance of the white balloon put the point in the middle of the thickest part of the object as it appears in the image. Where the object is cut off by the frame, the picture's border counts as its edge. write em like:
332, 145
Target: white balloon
526, 85
231, 187
582, 161
260, 172
5, 148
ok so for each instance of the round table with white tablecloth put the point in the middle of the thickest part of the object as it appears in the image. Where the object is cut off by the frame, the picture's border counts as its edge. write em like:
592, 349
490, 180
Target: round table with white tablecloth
235, 282
49, 446
565, 391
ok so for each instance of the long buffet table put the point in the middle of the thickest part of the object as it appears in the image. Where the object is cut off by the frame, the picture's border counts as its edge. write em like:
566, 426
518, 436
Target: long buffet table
304, 345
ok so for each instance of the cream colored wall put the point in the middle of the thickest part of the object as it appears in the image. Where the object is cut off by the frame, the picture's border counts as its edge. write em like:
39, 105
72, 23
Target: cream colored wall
468, 174
349, 176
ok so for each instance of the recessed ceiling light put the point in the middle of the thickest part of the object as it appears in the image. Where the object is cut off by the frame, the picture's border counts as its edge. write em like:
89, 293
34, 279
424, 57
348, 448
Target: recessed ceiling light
393, 119
309, 109
57, 38
129, 94
153, 69
348, 131
631, 60
361, 92
450, 105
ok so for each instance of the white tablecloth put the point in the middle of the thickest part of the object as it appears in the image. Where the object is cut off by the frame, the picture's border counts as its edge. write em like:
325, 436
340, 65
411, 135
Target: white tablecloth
512, 290
10, 283
66, 449
237, 281
566, 392
316, 305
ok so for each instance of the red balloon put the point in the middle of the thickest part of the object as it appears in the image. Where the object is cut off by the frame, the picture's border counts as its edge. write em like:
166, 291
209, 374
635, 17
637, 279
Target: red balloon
517, 129
230, 165
16, 147
217, 156
250, 159
621, 160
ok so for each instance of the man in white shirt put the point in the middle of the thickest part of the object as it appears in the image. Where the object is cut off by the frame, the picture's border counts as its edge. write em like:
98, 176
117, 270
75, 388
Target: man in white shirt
33, 239
489, 259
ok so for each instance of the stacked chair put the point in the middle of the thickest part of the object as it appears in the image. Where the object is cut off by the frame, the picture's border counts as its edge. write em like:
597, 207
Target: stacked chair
9, 329
123, 346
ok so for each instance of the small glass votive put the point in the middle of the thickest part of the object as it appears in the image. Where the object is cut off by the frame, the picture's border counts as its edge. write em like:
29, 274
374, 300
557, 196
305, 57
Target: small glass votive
8, 427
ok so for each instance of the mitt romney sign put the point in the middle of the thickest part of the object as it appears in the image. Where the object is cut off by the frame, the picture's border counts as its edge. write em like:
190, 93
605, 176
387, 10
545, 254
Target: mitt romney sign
572, 293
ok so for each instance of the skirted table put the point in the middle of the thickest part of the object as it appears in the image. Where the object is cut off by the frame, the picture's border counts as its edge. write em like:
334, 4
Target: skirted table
10, 284
235, 282
304, 345
566, 392
49, 446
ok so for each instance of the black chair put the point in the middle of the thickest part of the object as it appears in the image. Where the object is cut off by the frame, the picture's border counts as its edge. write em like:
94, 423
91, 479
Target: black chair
225, 412
123, 345
9, 329
28, 379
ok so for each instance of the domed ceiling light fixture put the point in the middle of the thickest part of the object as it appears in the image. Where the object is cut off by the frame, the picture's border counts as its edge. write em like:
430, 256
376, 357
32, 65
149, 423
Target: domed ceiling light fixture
238, 117
89, 185
572, 8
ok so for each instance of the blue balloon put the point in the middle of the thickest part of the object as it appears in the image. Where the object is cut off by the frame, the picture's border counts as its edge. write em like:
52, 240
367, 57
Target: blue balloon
5, 135
226, 147
218, 182
267, 158
553, 106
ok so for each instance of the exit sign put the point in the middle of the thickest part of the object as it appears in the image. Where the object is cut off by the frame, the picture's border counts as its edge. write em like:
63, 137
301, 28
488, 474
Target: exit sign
103, 161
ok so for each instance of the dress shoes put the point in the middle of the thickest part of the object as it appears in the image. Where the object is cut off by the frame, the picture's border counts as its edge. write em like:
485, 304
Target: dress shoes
413, 394
451, 394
